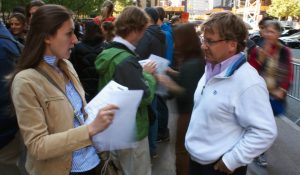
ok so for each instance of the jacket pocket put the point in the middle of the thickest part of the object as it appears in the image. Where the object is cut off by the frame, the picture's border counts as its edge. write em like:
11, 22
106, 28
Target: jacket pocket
56, 112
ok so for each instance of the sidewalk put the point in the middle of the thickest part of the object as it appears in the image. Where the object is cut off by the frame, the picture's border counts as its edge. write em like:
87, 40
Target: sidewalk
283, 157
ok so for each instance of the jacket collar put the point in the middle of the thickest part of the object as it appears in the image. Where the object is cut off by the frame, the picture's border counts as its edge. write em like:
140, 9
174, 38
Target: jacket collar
68, 71
229, 71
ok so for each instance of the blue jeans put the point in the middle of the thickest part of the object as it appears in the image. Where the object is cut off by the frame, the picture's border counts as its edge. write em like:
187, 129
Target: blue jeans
152, 136
278, 106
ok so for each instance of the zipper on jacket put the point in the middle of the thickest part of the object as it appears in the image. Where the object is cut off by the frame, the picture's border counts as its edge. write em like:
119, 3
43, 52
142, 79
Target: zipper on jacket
202, 90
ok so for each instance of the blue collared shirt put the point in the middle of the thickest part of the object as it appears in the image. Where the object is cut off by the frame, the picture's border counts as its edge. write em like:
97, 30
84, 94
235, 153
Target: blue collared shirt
86, 158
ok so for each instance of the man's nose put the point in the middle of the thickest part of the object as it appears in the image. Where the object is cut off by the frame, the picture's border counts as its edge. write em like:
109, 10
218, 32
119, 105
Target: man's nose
204, 46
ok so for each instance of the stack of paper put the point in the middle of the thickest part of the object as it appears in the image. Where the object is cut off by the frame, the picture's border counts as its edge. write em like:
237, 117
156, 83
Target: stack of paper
121, 133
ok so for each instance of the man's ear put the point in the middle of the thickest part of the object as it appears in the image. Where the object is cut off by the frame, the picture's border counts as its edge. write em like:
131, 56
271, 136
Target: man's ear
233, 46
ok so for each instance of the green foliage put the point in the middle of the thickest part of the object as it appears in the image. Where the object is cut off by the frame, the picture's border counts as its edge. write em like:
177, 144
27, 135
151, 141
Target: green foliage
79, 7
8, 5
121, 4
284, 8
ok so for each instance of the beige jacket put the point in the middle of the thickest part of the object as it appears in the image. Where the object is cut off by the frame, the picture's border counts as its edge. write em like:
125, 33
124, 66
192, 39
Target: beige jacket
45, 118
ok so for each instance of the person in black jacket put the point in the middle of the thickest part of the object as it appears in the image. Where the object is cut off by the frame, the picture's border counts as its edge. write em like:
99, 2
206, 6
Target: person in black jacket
83, 57
154, 39
154, 42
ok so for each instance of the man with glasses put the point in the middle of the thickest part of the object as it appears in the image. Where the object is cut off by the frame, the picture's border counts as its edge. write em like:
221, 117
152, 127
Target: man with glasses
232, 120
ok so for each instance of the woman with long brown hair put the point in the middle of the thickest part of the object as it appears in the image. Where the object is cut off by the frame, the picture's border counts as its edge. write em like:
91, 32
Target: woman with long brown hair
191, 63
49, 99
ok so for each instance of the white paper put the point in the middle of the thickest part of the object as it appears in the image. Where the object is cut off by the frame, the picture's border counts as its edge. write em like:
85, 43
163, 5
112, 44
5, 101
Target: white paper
121, 133
101, 100
161, 63
161, 67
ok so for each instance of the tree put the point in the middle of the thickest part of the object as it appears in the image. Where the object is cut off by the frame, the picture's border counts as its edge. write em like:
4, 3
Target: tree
121, 4
79, 7
284, 8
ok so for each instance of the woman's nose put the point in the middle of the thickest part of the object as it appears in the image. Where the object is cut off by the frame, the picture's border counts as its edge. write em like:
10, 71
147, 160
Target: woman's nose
74, 39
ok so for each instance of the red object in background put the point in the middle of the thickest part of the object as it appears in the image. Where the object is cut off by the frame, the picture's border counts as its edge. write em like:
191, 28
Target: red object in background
98, 19
110, 19
185, 17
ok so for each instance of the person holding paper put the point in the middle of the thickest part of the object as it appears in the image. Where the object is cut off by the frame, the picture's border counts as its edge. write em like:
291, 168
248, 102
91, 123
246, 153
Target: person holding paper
49, 99
152, 43
119, 62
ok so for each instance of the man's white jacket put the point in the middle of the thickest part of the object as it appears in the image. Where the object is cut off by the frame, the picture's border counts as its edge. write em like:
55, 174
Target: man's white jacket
232, 118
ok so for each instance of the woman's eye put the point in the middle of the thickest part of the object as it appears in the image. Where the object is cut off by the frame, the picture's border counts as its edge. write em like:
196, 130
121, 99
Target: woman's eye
70, 33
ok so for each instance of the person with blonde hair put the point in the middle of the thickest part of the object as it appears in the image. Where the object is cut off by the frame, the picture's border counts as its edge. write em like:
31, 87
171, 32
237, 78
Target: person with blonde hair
107, 10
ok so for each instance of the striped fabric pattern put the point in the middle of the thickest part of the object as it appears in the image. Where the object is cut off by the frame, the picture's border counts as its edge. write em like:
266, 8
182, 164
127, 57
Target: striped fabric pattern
86, 158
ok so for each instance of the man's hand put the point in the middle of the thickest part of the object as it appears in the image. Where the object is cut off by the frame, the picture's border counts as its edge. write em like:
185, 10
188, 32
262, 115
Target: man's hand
150, 67
220, 166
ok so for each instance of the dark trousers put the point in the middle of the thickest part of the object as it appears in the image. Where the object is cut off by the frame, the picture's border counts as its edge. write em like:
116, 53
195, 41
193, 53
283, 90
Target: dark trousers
198, 169
163, 115
182, 156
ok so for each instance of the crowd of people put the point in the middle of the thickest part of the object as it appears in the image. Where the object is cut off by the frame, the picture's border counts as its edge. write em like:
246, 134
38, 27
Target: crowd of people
51, 66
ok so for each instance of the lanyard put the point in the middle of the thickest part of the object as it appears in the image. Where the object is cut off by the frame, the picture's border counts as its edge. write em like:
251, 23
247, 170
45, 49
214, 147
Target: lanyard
77, 116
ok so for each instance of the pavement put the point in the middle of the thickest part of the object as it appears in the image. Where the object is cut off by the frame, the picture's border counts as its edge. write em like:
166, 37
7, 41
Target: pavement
283, 157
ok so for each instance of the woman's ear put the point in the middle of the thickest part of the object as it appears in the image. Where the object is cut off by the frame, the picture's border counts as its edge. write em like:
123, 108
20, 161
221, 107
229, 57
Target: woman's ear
47, 40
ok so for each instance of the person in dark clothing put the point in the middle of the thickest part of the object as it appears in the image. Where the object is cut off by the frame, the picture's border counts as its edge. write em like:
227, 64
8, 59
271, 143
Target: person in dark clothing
83, 57
188, 48
31, 8
166, 27
77, 30
154, 42
154, 39
9, 140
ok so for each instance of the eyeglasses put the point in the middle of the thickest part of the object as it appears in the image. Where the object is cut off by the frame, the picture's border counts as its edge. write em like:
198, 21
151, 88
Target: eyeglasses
209, 42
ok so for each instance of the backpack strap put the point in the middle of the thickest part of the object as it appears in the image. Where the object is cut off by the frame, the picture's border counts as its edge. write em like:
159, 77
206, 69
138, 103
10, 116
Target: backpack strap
43, 73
